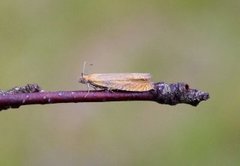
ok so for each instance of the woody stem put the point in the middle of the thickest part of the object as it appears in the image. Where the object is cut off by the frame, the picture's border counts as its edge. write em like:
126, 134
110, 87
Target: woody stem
163, 93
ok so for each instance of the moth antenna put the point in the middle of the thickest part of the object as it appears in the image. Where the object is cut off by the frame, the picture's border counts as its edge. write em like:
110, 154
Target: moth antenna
84, 65
82, 80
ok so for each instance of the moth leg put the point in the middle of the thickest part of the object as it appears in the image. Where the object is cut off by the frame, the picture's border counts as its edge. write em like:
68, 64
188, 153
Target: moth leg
95, 88
88, 86
110, 90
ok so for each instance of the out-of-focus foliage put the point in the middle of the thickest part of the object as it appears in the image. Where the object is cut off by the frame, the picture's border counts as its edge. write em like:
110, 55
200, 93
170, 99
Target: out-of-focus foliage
47, 41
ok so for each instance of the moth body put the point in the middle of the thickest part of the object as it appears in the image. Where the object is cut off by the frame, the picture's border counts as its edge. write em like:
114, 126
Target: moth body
138, 82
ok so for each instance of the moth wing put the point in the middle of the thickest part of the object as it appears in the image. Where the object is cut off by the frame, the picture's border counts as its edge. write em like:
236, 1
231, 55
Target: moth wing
119, 76
138, 86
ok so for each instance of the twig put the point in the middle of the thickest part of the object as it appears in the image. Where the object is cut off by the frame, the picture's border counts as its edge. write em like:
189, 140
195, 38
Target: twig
163, 93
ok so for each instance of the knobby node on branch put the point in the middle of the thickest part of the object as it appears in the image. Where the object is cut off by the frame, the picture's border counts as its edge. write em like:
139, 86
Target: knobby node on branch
163, 93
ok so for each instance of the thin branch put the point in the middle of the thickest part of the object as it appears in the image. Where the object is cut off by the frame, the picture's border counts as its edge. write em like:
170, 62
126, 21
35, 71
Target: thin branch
163, 93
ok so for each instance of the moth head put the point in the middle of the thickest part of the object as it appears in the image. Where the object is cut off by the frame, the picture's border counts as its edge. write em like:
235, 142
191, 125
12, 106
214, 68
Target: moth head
82, 79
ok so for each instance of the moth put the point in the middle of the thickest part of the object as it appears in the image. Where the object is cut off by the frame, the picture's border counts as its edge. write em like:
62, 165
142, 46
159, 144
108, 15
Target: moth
138, 82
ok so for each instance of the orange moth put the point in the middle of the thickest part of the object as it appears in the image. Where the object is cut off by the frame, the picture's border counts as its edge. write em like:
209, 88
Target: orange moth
137, 82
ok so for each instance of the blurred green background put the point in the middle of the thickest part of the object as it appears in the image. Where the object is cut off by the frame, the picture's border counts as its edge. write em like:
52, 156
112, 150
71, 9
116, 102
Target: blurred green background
47, 41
